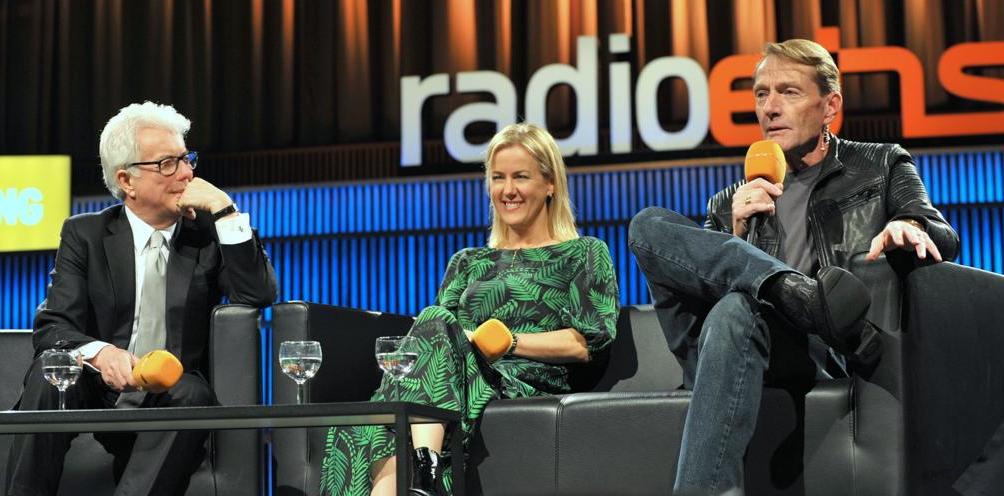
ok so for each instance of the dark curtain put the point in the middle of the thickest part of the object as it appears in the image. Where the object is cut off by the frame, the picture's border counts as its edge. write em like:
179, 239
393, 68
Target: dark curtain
271, 74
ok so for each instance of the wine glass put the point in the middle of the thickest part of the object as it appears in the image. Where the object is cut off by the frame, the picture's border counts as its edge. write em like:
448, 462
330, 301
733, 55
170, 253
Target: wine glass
300, 360
61, 368
396, 356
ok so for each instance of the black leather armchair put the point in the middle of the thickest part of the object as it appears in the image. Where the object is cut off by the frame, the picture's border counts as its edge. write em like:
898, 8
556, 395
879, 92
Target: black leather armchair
910, 426
233, 466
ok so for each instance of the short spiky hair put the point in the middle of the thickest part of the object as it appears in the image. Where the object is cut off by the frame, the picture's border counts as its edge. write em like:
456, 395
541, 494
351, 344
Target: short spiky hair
810, 53
118, 146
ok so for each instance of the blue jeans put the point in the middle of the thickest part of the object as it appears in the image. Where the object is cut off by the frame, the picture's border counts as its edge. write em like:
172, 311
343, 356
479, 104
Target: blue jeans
705, 288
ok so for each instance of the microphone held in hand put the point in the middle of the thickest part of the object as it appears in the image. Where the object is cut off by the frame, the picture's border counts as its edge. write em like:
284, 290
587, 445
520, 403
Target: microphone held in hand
493, 339
157, 370
764, 159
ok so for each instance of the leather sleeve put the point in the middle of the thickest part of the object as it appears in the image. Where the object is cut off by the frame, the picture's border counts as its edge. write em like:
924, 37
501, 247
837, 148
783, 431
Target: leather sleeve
719, 215
907, 198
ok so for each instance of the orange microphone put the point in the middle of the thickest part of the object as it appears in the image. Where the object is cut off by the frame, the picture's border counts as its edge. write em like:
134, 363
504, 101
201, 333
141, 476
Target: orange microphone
764, 159
493, 339
157, 370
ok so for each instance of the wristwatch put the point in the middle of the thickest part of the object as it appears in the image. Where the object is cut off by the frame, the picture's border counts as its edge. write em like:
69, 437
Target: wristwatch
225, 211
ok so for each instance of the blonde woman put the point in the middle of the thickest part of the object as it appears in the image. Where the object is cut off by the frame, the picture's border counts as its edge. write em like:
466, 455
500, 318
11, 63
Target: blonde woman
554, 290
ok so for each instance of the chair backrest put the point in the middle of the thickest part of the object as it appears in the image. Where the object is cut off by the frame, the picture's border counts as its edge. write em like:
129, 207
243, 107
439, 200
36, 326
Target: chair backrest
348, 371
16, 353
639, 359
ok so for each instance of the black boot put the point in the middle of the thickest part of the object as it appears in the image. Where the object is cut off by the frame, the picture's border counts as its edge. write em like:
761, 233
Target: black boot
426, 470
832, 306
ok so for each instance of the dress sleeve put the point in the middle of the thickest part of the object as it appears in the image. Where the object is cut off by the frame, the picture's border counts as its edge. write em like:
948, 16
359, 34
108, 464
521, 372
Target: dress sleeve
907, 199
454, 282
594, 300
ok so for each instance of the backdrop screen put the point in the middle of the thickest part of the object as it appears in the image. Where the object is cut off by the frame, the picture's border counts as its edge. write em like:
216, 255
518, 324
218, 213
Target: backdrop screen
34, 201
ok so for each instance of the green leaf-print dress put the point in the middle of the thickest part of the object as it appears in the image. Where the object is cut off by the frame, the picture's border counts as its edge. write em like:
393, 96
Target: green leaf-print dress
570, 284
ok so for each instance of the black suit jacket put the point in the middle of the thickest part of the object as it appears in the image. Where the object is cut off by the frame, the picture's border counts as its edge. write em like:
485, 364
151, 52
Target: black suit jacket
92, 291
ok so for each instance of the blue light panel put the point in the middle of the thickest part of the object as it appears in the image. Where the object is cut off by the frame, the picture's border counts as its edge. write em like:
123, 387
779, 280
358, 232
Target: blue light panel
385, 246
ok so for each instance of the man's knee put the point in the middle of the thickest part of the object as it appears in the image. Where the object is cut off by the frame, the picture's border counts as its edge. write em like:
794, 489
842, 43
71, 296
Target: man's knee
654, 225
191, 390
645, 234
34, 380
642, 227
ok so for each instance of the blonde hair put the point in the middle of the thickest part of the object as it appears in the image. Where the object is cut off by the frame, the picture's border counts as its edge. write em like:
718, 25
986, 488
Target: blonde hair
541, 146
808, 52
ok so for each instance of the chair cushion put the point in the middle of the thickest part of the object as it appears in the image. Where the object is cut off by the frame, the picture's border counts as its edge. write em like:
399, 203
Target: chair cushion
594, 443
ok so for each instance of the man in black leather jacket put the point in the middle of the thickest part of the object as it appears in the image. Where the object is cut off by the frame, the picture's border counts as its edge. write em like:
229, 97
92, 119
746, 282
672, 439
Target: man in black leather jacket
732, 302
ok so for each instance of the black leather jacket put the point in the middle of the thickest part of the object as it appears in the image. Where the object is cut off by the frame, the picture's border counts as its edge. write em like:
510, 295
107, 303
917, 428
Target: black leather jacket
861, 188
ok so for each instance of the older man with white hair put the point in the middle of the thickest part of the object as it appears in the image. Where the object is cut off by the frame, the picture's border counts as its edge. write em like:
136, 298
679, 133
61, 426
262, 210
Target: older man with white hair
141, 275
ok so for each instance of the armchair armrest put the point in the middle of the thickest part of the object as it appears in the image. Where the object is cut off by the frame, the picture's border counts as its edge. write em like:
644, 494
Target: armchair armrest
953, 371
235, 349
235, 375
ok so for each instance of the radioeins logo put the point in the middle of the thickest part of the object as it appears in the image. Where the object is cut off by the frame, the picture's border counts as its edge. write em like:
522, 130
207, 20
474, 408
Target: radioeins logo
711, 99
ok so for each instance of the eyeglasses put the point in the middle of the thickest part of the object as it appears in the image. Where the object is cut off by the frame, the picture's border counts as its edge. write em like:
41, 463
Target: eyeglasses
168, 166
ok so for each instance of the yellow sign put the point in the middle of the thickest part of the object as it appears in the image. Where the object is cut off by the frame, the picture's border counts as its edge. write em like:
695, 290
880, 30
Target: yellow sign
34, 201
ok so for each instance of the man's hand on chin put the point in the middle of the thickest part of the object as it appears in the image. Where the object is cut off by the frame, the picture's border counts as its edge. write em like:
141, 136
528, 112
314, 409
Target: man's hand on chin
202, 195
116, 366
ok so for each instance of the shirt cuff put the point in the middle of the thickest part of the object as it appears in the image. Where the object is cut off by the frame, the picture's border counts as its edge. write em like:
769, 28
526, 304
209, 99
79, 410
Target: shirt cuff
89, 351
234, 230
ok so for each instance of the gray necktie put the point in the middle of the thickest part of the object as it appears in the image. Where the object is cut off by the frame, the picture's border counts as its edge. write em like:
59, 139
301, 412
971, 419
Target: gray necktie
151, 331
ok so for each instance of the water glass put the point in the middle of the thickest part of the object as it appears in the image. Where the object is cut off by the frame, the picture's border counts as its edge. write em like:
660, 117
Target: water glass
396, 356
300, 360
61, 368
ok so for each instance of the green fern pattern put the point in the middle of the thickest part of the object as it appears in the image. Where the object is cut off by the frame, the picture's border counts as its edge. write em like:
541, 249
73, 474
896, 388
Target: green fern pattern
570, 284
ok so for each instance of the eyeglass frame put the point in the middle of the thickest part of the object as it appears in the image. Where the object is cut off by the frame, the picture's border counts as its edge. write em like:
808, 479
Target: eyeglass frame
190, 157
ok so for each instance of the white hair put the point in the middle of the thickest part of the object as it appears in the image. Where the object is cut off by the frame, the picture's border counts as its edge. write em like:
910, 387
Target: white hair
118, 146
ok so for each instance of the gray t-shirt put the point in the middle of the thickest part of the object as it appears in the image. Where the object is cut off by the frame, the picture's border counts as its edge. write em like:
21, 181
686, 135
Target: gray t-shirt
792, 207
796, 251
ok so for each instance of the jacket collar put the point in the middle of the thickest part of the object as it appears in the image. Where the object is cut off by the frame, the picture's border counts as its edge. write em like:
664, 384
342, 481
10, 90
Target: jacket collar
831, 162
